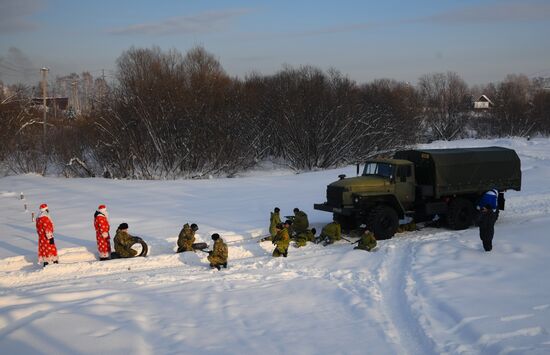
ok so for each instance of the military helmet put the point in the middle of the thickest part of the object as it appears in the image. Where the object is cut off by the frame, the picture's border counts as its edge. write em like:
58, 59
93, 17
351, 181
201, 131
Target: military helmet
194, 227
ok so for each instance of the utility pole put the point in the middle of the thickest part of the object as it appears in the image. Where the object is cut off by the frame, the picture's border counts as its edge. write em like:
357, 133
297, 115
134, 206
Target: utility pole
44, 92
102, 85
76, 99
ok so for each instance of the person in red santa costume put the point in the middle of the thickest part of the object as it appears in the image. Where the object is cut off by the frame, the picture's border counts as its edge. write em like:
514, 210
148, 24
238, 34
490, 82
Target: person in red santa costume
101, 224
47, 252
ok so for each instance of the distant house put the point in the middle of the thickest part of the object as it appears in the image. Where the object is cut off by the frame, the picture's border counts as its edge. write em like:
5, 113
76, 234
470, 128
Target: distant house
483, 103
55, 103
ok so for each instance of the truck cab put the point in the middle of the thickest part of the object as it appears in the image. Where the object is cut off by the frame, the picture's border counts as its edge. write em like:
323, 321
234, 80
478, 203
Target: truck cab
384, 192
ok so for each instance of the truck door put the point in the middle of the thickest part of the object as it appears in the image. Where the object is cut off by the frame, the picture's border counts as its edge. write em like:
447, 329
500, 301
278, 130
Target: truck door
404, 185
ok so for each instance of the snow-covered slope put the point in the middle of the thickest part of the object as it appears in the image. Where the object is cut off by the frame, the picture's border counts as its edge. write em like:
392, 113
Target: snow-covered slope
427, 292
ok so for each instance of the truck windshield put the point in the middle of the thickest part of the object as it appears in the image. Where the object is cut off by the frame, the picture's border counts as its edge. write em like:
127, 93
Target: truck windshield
380, 169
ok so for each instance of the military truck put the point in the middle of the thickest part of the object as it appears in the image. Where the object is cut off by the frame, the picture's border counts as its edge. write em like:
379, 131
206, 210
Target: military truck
423, 184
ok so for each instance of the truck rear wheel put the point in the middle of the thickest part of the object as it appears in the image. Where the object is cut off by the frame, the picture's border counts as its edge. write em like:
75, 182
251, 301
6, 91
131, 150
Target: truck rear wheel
460, 214
383, 222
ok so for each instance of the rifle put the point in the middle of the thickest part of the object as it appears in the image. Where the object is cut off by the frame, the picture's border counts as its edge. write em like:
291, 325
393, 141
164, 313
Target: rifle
351, 242
248, 239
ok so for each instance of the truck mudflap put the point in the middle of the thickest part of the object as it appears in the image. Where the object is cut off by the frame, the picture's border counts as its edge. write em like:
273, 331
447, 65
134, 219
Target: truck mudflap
327, 208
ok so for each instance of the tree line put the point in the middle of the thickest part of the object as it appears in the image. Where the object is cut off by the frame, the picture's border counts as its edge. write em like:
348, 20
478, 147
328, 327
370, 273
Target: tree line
172, 115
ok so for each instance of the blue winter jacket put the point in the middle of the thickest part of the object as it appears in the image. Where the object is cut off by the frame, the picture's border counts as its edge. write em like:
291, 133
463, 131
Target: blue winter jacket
489, 198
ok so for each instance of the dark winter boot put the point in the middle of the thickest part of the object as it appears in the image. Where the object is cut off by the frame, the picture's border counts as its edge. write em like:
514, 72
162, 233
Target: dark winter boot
285, 254
45, 264
56, 262
224, 265
103, 259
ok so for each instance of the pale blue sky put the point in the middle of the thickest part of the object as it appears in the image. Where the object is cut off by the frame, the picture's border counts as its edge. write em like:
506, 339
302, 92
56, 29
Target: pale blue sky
481, 40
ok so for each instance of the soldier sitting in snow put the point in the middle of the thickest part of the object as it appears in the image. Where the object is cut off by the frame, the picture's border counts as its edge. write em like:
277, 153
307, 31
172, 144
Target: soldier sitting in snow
300, 222
186, 237
367, 241
124, 241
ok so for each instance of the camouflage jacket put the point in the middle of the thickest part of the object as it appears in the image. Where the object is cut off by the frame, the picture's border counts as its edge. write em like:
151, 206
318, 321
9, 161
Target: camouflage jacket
274, 219
300, 222
219, 251
282, 239
332, 230
367, 242
186, 238
123, 244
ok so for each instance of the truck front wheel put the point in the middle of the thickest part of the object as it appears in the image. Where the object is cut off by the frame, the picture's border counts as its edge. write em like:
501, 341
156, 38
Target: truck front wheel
383, 222
460, 214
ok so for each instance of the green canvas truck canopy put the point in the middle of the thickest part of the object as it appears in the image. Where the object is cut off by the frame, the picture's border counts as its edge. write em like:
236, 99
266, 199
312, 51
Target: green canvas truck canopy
446, 172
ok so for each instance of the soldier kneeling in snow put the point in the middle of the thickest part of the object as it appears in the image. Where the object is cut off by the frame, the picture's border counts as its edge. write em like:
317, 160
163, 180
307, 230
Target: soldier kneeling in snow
124, 241
218, 256
330, 233
302, 238
281, 240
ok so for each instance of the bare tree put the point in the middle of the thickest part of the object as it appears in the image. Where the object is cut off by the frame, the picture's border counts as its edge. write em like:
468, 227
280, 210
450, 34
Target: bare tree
513, 103
446, 103
541, 110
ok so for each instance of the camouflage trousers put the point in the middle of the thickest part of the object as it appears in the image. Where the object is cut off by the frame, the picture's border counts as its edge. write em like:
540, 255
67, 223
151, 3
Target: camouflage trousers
278, 252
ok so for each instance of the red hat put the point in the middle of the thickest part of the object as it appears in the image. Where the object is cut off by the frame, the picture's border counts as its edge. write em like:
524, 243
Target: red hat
43, 207
102, 207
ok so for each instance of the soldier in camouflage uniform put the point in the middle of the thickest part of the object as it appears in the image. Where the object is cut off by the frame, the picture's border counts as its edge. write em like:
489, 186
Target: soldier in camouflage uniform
274, 219
407, 227
367, 241
331, 232
123, 242
300, 223
186, 237
304, 237
218, 256
281, 240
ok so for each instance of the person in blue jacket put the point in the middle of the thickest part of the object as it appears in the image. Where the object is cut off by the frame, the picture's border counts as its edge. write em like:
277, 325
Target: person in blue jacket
489, 198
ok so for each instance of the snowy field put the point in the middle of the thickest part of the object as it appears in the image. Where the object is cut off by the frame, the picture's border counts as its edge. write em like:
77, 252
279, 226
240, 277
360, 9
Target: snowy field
432, 291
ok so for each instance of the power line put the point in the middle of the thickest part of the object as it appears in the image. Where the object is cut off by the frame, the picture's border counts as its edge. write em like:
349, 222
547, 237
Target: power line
16, 67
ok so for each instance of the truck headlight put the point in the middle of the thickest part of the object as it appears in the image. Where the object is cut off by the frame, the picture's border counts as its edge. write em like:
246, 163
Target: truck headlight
356, 200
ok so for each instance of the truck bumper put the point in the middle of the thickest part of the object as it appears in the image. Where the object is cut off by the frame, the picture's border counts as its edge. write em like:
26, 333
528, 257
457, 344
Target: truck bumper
327, 208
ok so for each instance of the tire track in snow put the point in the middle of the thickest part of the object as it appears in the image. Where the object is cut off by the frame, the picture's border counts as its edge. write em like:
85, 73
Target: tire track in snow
402, 327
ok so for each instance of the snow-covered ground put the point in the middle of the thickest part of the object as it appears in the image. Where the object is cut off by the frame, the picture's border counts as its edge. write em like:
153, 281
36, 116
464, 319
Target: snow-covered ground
427, 292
